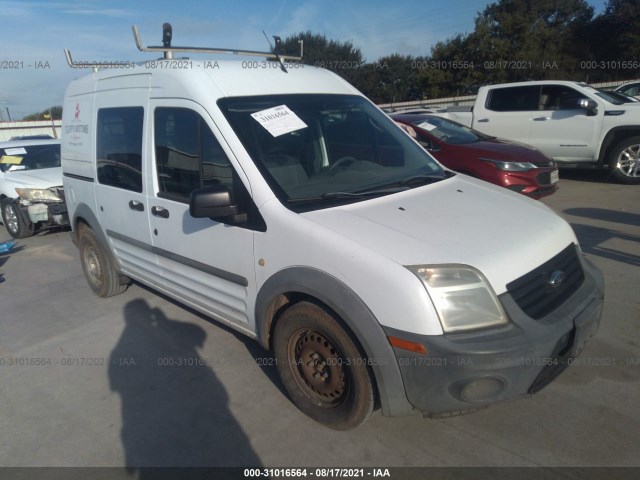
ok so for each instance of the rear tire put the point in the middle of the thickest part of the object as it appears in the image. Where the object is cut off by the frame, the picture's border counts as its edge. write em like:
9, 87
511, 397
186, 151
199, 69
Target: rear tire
322, 368
103, 278
14, 221
624, 161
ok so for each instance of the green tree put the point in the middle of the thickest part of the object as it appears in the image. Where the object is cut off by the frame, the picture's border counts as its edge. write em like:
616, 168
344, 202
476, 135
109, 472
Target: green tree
339, 57
614, 41
51, 113
528, 39
392, 78
451, 68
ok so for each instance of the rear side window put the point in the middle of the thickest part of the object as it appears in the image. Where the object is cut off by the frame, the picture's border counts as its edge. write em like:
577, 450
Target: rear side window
119, 147
514, 99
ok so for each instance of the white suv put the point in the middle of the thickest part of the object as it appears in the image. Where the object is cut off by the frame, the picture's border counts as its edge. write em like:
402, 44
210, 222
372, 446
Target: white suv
279, 201
31, 192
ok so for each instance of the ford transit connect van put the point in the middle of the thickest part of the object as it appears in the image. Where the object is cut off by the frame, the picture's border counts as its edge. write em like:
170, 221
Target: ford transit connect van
279, 201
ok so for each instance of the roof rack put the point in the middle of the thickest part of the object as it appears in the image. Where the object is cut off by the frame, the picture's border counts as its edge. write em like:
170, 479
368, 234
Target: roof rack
168, 51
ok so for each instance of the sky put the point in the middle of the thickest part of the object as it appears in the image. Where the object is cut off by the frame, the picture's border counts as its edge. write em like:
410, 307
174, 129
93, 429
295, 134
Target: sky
34, 73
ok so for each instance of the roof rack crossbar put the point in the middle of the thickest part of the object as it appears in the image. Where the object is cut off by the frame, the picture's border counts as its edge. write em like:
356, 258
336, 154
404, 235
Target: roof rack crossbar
163, 49
168, 51
95, 65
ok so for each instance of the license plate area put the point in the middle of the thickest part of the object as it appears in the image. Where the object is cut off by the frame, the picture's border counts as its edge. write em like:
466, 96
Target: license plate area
555, 177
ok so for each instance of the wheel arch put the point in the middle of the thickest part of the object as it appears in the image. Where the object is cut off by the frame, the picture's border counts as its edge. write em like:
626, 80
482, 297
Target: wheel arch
613, 138
83, 215
294, 284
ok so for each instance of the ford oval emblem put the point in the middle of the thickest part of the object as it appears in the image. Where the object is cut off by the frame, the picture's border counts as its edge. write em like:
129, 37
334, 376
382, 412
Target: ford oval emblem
556, 278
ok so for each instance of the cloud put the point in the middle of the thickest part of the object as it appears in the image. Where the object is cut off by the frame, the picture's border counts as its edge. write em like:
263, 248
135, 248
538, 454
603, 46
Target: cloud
302, 18
106, 12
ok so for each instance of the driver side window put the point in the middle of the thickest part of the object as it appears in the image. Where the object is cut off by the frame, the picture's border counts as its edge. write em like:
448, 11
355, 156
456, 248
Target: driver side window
188, 156
559, 97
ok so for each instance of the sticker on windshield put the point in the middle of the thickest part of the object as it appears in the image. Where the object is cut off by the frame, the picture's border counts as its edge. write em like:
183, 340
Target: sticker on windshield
427, 126
279, 120
11, 160
15, 151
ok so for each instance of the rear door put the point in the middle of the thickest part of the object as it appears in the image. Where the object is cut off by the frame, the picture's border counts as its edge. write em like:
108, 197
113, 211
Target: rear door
208, 264
121, 197
507, 112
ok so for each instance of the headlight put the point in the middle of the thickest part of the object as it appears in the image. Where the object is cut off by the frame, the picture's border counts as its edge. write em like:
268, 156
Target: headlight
462, 297
37, 195
511, 166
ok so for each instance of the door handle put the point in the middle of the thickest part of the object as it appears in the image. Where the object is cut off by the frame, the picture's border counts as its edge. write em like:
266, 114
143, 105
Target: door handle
483, 120
540, 119
160, 212
136, 205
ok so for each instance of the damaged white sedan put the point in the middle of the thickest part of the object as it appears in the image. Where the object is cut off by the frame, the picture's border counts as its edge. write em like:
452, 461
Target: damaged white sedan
31, 193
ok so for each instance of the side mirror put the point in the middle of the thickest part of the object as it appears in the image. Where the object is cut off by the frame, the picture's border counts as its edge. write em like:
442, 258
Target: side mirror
215, 202
589, 105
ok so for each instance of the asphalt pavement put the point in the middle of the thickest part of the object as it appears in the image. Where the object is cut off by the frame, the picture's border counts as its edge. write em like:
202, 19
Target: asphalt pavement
139, 380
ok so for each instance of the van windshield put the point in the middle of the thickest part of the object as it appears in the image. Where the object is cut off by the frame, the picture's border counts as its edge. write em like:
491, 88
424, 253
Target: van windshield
320, 150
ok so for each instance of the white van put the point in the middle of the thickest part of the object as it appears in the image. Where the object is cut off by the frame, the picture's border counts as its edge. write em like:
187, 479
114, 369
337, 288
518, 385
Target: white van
281, 202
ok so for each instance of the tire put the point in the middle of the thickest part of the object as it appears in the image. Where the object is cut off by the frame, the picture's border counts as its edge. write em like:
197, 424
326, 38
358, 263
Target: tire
322, 368
102, 277
14, 221
624, 161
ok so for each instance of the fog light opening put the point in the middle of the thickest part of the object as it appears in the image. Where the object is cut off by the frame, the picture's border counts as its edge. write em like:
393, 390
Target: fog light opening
483, 389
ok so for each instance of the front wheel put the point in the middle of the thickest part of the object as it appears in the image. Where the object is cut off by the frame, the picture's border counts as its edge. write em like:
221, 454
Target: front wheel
322, 368
14, 221
624, 162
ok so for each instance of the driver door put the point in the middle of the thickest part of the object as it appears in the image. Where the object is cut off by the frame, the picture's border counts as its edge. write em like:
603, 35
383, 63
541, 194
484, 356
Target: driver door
208, 264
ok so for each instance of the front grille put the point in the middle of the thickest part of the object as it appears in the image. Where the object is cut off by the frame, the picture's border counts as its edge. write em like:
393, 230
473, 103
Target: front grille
534, 293
57, 208
543, 178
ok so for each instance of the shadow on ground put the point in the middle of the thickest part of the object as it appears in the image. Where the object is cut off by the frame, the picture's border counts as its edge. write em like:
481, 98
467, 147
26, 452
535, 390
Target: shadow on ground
595, 175
174, 409
591, 239
607, 215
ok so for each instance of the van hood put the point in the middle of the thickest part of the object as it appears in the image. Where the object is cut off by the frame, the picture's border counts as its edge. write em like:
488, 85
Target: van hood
460, 220
41, 178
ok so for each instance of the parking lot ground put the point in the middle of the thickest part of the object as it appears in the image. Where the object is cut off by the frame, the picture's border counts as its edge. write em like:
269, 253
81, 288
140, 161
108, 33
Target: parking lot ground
139, 380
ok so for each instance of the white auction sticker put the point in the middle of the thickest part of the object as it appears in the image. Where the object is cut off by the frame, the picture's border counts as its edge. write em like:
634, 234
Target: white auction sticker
15, 151
427, 126
279, 120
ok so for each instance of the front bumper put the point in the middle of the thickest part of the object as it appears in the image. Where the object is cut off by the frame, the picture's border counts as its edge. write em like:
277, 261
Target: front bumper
463, 372
45, 214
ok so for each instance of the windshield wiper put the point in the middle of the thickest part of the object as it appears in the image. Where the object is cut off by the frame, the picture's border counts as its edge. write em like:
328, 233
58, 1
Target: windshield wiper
395, 187
364, 193
417, 180
350, 195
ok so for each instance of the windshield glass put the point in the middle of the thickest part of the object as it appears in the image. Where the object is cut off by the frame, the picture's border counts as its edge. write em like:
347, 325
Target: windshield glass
448, 131
621, 97
33, 157
604, 95
319, 150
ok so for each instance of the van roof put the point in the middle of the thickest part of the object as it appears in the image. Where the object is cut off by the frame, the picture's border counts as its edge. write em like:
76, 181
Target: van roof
215, 78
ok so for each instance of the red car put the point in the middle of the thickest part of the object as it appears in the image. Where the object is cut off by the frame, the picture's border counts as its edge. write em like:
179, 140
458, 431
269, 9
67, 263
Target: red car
515, 166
